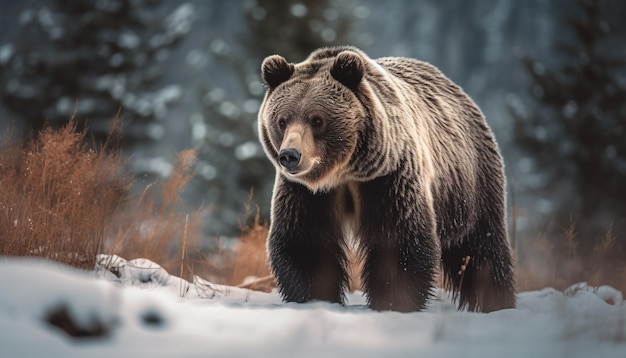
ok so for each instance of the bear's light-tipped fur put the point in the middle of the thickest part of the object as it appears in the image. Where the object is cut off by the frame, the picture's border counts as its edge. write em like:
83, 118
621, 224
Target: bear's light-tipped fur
396, 152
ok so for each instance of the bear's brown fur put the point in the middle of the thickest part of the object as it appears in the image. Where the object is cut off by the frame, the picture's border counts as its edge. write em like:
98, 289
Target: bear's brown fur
389, 151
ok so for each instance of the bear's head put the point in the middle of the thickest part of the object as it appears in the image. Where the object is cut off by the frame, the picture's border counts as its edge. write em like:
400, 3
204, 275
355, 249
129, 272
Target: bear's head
311, 118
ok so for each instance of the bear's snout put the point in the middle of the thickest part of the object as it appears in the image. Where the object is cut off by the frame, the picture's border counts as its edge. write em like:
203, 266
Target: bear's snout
289, 158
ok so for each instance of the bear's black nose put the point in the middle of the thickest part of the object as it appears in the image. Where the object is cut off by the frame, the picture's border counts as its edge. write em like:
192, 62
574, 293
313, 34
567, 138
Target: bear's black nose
289, 158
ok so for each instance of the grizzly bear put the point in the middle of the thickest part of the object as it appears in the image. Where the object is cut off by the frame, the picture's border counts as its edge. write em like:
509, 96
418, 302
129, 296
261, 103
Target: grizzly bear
393, 155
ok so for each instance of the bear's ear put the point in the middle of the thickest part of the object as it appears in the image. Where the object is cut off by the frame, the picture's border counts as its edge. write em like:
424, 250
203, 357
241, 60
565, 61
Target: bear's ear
276, 70
348, 68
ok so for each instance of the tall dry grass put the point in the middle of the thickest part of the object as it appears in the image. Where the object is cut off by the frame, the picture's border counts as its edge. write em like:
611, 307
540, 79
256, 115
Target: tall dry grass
155, 226
64, 200
560, 262
57, 196
249, 262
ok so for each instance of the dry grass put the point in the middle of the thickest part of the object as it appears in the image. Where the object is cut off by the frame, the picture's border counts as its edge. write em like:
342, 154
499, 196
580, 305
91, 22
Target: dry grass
543, 262
155, 227
65, 201
57, 197
250, 259
62, 200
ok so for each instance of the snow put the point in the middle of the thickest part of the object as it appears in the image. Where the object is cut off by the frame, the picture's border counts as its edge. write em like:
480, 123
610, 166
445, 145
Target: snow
180, 21
6, 52
137, 309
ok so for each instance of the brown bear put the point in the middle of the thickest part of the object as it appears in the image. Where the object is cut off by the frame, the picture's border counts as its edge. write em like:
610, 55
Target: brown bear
393, 154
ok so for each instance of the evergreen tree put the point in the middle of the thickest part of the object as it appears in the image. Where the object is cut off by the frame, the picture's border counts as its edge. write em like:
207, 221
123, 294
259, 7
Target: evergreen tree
95, 58
231, 159
575, 133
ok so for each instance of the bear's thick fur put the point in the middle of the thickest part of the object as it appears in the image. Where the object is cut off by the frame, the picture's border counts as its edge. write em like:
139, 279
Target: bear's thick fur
391, 153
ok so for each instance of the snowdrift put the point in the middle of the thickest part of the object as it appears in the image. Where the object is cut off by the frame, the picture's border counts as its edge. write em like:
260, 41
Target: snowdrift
134, 308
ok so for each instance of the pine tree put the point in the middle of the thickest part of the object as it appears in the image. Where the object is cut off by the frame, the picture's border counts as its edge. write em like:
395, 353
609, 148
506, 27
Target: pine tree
231, 159
95, 58
575, 133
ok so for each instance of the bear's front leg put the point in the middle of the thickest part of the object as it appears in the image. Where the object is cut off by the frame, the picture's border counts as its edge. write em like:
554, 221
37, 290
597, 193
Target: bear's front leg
397, 242
305, 244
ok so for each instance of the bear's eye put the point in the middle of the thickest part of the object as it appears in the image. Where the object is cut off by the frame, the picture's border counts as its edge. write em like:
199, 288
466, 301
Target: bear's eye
282, 123
317, 122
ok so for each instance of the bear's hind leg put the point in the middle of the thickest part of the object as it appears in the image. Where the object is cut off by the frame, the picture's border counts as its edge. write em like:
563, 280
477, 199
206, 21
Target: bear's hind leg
478, 269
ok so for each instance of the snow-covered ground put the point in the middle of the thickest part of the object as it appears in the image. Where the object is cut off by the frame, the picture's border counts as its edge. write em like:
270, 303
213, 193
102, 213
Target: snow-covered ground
141, 311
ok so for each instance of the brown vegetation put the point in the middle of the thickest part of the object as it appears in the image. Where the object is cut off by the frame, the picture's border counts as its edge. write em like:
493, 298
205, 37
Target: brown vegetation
62, 200
57, 197
559, 263
155, 227
250, 260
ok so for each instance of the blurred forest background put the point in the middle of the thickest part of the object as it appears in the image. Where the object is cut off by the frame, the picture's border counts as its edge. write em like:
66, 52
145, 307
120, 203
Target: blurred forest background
550, 77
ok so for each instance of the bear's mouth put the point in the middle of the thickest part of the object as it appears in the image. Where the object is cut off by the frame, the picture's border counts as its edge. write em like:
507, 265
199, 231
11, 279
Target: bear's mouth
303, 169
315, 177
294, 172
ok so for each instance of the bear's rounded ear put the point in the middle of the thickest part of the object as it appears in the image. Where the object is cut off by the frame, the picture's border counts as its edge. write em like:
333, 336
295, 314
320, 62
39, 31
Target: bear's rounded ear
276, 70
348, 68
